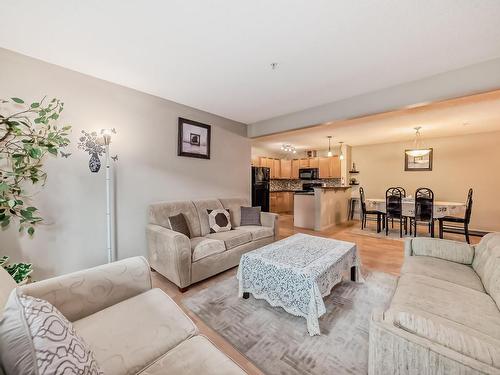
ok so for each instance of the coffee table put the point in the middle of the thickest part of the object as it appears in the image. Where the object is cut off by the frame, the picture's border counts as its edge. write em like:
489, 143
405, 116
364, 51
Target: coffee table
297, 272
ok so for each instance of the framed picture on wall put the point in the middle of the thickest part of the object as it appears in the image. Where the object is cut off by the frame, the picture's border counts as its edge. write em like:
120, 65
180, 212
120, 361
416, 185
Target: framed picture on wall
418, 163
193, 139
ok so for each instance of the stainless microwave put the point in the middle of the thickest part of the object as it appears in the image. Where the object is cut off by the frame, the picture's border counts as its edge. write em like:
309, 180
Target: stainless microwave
309, 173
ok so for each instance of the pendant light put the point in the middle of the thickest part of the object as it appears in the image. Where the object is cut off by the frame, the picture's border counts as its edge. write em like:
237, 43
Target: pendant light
418, 149
341, 155
329, 154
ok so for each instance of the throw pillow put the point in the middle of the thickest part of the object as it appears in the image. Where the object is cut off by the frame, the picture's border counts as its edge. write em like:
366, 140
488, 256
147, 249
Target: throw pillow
250, 216
219, 220
179, 224
36, 339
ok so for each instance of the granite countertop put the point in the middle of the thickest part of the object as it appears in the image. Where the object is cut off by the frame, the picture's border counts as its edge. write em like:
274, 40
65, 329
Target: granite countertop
284, 191
333, 187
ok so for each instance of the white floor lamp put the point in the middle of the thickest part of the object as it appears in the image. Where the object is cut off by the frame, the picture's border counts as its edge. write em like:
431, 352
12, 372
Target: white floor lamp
106, 135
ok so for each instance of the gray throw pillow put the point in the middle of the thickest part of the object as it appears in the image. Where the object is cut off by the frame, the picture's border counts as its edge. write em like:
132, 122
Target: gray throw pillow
250, 216
179, 224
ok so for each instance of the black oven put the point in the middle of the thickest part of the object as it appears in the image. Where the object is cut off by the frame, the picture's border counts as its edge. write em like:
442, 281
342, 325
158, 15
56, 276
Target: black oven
309, 173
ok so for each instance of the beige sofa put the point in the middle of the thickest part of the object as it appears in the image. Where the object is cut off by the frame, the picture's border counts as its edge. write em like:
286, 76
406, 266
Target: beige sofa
132, 328
184, 260
444, 317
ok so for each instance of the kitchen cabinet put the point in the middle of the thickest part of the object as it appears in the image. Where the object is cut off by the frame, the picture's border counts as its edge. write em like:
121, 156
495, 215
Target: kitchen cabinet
314, 163
304, 163
281, 202
329, 167
295, 168
285, 168
276, 169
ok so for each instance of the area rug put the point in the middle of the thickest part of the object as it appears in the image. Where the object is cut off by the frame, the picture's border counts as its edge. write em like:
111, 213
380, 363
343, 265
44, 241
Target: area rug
371, 231
278, 343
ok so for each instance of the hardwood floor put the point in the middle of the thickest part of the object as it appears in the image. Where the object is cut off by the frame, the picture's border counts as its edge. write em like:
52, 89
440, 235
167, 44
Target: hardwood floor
376, 253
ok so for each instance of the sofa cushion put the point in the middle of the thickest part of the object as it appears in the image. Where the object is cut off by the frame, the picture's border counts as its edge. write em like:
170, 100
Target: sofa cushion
35, 338
203, 247
178, 223
193, 357
219, 220
232, 238
456, 273
487, 264
161, 211
257, 232
234, 207
201, 209
130, 335
250, 216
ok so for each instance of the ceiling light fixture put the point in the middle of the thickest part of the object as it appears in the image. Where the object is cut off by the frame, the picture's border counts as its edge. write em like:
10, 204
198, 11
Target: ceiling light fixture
418, 149
274, 65
341, 154
288, 148
329, 146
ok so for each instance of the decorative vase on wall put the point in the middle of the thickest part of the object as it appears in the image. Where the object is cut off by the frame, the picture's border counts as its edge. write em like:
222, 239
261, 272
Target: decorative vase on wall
94, 163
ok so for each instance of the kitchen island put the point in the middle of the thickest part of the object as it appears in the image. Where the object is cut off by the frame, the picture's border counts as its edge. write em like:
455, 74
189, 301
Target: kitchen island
321, 209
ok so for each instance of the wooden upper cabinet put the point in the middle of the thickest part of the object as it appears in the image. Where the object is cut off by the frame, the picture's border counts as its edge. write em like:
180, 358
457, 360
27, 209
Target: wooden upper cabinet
324, 167
304, 163
276, 168
285, 168
295, 168
335, 167
314, 163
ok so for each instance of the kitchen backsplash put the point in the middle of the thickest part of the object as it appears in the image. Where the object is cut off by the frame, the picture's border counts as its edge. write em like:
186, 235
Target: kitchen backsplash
277, 185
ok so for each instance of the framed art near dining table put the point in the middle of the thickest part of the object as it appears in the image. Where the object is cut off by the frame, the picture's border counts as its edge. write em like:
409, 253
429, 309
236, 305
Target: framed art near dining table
418, 163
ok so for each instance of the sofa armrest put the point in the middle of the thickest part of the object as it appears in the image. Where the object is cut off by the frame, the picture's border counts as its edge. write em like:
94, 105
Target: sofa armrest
268, 219
85, 292
454, 251
392, 350
170, 254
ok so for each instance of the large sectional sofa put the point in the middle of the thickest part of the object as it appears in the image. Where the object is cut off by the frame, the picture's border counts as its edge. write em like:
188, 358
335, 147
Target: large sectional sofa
184, 260
444, 317
131, 327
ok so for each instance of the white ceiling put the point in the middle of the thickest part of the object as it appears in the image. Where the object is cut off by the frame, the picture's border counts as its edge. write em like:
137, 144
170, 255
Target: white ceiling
216, 55
473, 114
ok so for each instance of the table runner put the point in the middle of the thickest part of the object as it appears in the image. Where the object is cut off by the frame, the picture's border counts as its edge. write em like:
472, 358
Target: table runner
297, 272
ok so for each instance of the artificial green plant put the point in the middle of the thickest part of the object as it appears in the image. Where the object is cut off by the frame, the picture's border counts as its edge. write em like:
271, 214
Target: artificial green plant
28, 132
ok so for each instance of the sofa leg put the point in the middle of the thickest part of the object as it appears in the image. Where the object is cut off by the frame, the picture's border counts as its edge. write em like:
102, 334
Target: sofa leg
183, 290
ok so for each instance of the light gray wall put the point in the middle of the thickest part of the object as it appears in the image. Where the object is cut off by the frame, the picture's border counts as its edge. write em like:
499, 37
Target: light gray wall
148, 169
466, 81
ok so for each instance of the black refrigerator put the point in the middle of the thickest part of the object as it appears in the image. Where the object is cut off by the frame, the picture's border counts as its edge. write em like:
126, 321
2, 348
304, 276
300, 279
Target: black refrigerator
260, 187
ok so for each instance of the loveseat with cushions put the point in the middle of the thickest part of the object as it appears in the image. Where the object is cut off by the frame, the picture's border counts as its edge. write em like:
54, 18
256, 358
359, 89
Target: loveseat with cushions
130, 327
444, 317
185, 260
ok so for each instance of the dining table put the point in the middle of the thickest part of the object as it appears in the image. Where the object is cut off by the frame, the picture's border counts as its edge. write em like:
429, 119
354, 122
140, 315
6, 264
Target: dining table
441, 208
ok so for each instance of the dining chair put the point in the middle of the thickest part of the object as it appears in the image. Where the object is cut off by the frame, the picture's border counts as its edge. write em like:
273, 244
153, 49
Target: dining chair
394, 208
424, 210
455, 227
403, 191
364, 212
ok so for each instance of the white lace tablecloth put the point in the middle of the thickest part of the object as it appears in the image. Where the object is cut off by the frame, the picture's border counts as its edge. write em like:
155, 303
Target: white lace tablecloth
441, 209
297, 272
